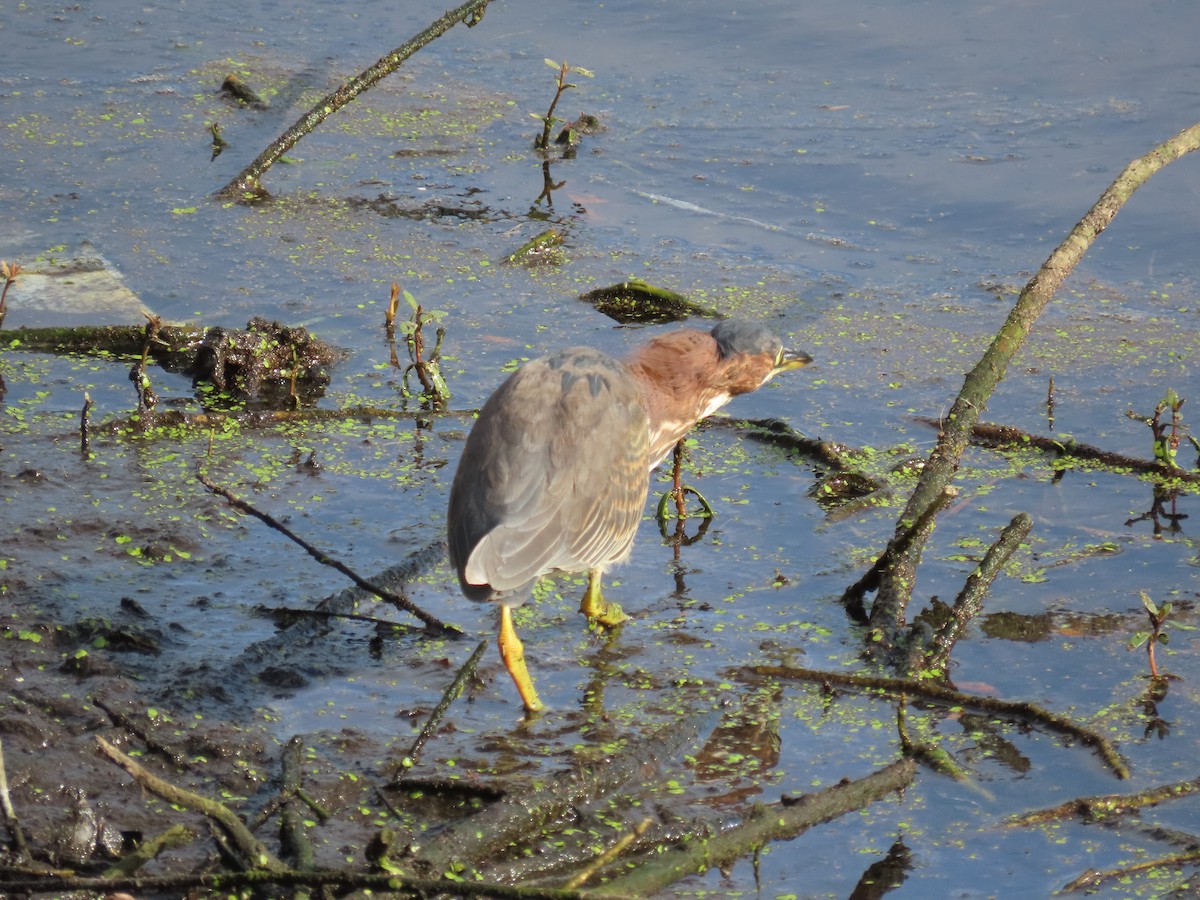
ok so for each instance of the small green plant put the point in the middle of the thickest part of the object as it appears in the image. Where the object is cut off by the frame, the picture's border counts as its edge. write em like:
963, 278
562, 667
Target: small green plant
542, 142
1157, 633
218, 141
428, 368
141, 381
1167, 435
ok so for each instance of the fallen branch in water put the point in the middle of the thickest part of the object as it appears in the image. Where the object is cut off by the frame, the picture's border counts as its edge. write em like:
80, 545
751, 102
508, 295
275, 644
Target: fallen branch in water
913, 687
1009, 437
1093, 878
934, 654
452, 693
764, 824
903, 555
1106, 806
249, 180
432, 623
254, 852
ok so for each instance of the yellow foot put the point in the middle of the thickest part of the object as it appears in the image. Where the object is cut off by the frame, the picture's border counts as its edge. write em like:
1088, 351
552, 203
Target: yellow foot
512, 652
609, 615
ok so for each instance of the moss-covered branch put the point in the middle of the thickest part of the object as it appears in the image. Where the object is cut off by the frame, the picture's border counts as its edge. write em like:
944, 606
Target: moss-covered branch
248, 181
764, 824
888, 613
253, 850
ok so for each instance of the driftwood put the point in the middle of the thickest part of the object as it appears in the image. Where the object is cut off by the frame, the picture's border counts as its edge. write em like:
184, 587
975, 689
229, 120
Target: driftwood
1009, 437
926, 689
898, 570
249, 181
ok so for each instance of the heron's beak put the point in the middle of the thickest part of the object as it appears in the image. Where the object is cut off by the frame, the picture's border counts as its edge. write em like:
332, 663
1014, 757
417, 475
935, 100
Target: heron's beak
789, 360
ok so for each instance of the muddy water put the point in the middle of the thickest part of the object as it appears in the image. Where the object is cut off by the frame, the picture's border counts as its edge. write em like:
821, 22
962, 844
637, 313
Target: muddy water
877, 179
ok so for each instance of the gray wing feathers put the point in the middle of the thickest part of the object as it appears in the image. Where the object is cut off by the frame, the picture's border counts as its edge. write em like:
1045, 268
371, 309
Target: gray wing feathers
554, 474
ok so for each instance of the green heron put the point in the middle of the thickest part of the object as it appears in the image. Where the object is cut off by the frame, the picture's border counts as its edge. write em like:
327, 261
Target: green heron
554, 475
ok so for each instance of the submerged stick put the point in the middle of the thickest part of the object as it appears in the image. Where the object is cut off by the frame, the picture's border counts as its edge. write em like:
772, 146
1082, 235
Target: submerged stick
1106, 806
762, 825
85, 424
896, 585
256, 853
248, 180
293, 835
969, 602
432, 623
521, 814
1091, 880
452, 693
915, 687
11, 822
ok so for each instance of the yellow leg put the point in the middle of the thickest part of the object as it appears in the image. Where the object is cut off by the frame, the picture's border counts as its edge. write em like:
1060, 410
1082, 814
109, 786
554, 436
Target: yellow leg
512, 651
594, 606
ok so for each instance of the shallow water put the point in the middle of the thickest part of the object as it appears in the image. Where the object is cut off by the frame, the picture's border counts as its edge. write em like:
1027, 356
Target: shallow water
877, 179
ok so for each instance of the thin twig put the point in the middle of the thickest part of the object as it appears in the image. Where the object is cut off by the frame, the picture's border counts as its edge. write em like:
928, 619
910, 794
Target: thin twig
585, 875
284, 612
85, 424
432, 623
248, 180
237, 883
452, 693
969, 602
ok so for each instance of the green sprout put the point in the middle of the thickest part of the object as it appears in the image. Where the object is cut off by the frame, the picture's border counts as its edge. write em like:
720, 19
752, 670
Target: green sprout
434, 389
1167, 435
1157, 633
542, 142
